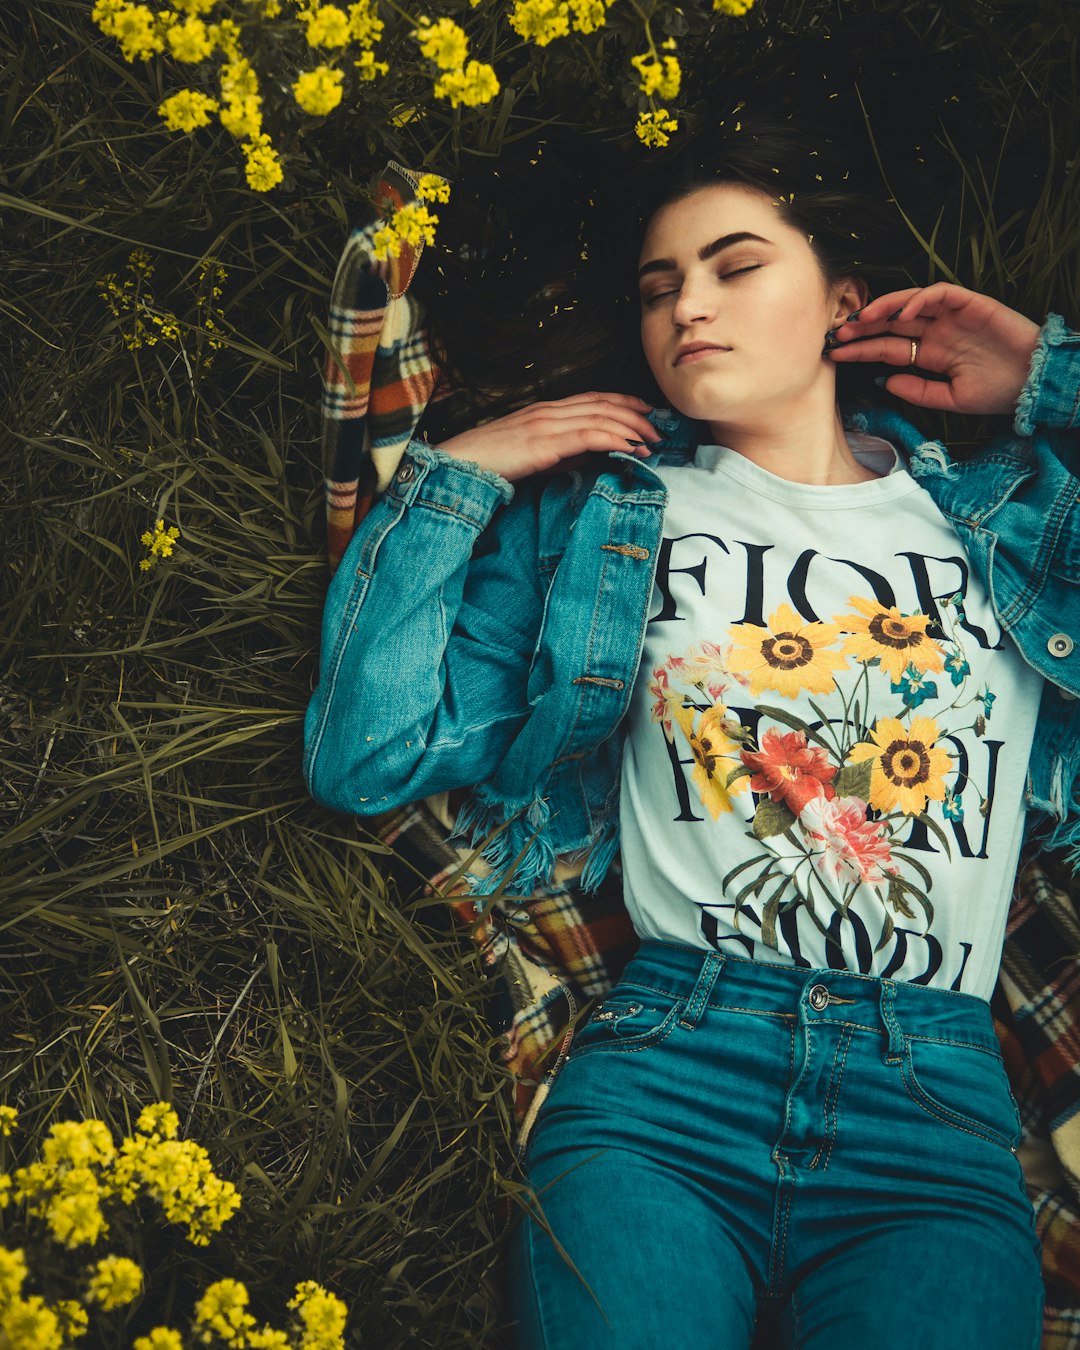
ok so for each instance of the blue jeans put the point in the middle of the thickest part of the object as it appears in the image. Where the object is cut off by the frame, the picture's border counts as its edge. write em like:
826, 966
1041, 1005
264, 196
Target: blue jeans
728, 1138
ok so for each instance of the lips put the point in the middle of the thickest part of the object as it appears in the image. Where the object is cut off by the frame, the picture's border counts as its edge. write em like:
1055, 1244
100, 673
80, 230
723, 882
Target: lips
693, 348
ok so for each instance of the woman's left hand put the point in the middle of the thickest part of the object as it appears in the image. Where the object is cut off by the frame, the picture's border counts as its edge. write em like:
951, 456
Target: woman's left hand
981, 347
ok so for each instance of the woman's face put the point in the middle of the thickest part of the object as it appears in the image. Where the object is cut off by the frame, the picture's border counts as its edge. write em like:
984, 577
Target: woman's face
721, 267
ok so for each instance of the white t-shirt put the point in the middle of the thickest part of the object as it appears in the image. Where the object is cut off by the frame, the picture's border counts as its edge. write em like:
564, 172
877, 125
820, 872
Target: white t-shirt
829, 732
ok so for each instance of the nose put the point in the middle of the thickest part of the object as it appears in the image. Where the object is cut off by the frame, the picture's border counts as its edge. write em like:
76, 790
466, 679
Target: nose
695, 302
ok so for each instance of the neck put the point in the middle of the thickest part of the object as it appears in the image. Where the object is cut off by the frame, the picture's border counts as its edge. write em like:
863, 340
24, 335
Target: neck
798, 450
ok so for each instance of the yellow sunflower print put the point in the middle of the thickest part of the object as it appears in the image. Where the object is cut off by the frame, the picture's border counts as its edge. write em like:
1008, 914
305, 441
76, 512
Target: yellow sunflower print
787, 656
715, 755
897, 640
908, 768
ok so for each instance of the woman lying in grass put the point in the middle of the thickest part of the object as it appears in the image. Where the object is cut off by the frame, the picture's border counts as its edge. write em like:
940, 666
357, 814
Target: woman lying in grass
814, 679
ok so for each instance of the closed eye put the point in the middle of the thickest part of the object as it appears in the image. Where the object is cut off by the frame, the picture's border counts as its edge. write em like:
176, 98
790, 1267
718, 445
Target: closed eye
724, 276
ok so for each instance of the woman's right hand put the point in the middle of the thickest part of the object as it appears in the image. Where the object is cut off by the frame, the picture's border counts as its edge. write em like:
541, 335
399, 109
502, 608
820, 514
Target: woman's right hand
557, 434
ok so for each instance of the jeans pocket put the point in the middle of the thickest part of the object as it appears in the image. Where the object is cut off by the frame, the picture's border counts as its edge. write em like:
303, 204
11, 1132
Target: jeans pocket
630, 1018
964, 1086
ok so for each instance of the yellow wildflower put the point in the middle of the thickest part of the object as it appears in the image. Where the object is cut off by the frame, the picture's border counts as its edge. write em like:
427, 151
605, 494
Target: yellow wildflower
658, 76
908, 767
194, 7
367, 67
72, 1318
262, 165
318, 91
161, 1338
115, 1282
190, 40
243, 117
653, 127
736, 8
588, 15
12, 1273
415, 224
160, 1118
238, 79
105, 14
226, 35
78, 1142
432, 188
137, 33
266, 1338
474, 85
187, 110
9, 1118
223, 1309
384, 242
322, 1315
327, 26
160, 543
540, 21
365, 26
444, 42
5, 1190
29, 1324
73, 1211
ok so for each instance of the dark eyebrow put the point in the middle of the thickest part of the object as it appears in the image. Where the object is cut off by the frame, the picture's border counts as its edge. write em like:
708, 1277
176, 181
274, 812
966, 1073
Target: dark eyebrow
725, 241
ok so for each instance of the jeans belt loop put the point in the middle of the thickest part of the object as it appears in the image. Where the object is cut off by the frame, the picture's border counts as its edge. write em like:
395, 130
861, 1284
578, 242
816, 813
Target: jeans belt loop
888, 1014
710, 969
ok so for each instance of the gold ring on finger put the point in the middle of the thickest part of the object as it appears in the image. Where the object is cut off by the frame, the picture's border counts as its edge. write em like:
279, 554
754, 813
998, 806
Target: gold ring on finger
914, 361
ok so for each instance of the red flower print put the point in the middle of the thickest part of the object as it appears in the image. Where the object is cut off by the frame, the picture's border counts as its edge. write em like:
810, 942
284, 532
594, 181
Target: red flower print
789, 770
852, 847
662, 693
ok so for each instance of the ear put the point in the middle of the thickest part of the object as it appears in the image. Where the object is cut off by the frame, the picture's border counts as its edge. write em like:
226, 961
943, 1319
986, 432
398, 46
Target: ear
851, 294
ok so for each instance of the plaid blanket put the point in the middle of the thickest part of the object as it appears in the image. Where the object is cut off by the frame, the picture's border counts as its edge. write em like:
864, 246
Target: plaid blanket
554, 957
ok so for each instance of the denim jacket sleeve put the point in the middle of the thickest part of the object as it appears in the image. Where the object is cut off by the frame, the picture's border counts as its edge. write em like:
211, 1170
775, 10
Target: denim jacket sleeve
429, 629
1050, 397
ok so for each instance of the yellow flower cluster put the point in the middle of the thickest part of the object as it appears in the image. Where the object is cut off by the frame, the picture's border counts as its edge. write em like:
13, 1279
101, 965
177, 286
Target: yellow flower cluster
160, 1338
9, 1116
460, 81
319, 91
160, 543
444, 43
653, 127
115, 1281
659, 75
322, 1316
187, 110
30, 1324
734, 8
541, 21
429, 188
412, 224
177, 1173
139, 31
80, 1167
132, 302
222, 1313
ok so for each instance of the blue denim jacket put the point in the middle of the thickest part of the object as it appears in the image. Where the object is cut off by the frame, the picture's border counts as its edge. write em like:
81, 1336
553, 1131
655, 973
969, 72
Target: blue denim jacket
488, 635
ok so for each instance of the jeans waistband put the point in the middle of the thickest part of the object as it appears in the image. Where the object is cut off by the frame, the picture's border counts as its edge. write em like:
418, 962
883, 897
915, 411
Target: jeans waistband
896, 1008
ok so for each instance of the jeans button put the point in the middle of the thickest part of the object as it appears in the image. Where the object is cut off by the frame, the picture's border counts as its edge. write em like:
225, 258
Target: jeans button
819, 997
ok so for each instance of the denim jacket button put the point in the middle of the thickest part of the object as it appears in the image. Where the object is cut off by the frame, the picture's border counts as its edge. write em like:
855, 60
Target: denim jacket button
1061, 644
405, 474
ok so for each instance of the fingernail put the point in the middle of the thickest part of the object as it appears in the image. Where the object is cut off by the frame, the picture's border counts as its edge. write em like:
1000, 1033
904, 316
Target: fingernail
630, 442
881, 381
830, 334
854, 315
896, 315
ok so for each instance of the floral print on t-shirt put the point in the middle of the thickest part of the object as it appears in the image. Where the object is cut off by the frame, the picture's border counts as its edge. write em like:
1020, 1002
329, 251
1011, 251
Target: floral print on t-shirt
829, 799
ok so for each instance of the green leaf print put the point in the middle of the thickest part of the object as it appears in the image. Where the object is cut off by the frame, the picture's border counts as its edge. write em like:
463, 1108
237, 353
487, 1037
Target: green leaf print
853, 780
771, 818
